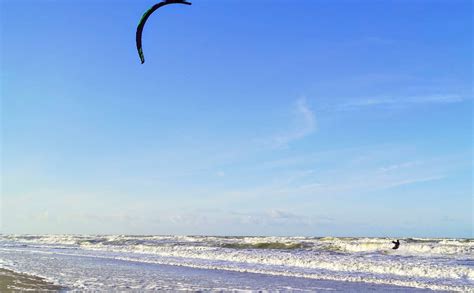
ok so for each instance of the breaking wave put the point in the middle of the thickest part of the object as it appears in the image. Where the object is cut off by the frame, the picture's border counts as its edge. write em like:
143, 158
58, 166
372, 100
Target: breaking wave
443, 264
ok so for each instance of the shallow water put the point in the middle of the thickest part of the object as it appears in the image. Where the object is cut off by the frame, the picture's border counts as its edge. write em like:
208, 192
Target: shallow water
245, 263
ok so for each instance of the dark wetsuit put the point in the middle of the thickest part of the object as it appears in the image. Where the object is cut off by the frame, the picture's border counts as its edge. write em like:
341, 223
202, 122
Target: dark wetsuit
397, 244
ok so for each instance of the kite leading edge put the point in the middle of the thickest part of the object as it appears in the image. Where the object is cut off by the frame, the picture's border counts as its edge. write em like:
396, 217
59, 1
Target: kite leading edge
143, 20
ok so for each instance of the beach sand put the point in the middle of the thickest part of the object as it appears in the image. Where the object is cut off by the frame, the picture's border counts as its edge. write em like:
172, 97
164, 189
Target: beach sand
11, 281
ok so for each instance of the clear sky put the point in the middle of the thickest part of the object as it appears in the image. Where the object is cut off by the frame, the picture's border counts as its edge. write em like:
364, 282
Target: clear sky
345, 118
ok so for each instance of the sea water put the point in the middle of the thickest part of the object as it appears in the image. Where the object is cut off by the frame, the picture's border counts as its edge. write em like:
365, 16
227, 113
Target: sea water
99, 262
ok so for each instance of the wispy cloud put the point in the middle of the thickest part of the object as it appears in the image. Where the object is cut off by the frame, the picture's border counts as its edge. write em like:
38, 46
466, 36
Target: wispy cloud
306, 124
388, 101
341, 173
281, 214
190, 218
396, 167
272, 217
411, 181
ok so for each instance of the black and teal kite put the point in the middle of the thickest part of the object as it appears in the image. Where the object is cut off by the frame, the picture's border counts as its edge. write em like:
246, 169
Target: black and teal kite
145, 16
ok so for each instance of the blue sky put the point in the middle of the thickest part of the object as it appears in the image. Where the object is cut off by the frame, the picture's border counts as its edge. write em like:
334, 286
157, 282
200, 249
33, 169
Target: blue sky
345, 118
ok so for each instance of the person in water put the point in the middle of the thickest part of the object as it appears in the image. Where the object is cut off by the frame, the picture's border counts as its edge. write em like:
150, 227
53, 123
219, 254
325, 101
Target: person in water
397, 244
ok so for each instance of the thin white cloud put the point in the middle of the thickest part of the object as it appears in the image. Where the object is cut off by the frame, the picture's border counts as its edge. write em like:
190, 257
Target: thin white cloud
399, 166
270, 217
281, 214
342, 174
306, 124
41, 217
447, 98
189, 219
412, 181
387, 101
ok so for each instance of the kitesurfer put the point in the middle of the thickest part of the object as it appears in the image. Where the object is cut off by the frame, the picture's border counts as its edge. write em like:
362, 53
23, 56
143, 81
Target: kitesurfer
397, 244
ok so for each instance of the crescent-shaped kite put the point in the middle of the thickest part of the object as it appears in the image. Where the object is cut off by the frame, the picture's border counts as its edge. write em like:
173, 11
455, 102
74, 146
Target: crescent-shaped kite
145, 16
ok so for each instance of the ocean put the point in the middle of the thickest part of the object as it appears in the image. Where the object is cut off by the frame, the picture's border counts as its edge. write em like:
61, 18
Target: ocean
201, 263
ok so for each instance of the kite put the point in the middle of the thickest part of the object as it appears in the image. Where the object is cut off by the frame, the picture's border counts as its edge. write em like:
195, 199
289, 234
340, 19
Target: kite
145, 16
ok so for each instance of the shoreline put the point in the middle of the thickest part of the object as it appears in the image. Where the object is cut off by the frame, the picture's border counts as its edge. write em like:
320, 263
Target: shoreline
11, 281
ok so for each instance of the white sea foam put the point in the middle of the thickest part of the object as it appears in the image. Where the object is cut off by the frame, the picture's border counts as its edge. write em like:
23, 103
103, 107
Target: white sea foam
440, 264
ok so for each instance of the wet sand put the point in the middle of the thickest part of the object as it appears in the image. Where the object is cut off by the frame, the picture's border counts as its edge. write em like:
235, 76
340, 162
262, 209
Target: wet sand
14, 282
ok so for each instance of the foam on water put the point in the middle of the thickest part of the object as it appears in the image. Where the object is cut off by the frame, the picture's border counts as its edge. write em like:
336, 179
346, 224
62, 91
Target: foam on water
439, 264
